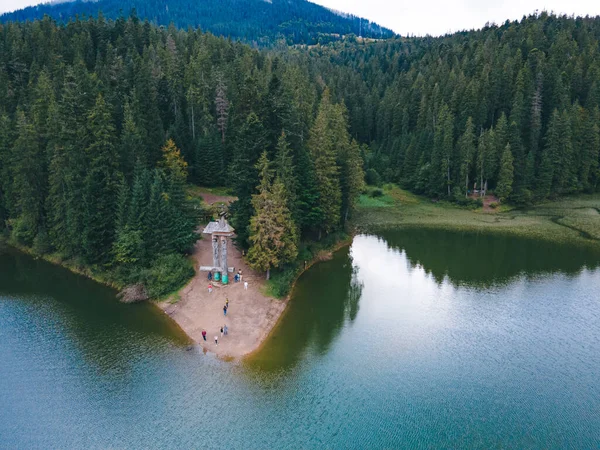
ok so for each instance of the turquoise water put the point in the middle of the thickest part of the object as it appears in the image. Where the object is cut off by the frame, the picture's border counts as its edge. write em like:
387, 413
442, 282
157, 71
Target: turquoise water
419, 339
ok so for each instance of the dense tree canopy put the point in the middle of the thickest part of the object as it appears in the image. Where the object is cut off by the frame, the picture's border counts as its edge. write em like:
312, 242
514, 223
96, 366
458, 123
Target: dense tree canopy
255, 21
104, 123
439, 112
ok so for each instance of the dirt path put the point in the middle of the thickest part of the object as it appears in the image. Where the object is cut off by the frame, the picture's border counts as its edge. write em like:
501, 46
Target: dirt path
210, 198
487, 201
250, 317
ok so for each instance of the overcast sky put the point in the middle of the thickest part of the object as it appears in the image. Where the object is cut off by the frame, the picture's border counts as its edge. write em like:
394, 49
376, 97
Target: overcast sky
433, 17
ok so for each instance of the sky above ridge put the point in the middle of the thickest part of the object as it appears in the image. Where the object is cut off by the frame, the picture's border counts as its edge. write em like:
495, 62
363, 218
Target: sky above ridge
433, 17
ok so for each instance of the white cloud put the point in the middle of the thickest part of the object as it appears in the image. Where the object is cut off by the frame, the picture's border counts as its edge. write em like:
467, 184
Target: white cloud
11, 5
437, 17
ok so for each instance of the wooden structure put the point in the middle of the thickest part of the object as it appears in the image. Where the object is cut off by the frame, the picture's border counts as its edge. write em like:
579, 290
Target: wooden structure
219, 232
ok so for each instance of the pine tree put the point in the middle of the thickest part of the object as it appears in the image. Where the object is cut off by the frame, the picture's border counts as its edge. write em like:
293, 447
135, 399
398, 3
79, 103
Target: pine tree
323, 154
181, 219
443, 153
251, 142
67, 165
100, 186
273, 234
131, 146
284, 170
127, 248
28, 181
501, 139
505, 175
466, 151
352, 177
549, 158
590, 150
221, 105
5, 169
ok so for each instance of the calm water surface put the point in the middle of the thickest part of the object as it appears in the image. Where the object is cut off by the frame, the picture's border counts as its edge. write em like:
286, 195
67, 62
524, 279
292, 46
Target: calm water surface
420, 339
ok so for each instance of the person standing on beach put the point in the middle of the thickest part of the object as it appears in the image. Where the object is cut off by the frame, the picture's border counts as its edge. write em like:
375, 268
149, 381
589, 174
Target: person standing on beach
226, 302
221, 331
225, 310
246, 285
216, 340
209, 288
204, 335
225, 329
209, 276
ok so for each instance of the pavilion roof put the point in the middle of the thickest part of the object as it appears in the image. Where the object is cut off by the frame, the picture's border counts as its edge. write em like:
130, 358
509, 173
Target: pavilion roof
221, 226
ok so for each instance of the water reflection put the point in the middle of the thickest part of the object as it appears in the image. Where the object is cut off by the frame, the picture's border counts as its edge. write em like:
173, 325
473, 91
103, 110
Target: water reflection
108, 335
411, 265
484, 259
325, 298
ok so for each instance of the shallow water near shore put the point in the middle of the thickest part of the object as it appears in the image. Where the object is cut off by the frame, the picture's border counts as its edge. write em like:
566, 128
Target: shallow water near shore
415, 338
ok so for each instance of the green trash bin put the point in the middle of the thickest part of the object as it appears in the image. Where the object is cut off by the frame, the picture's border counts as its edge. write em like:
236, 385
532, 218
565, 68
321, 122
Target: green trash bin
225, 279
217, 276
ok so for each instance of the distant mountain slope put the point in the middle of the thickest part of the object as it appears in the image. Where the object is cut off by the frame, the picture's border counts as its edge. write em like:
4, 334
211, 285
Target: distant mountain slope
260, 21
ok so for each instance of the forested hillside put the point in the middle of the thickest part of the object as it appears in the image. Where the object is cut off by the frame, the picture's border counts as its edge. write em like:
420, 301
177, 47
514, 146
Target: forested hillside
102, 124
254, 21
513, 106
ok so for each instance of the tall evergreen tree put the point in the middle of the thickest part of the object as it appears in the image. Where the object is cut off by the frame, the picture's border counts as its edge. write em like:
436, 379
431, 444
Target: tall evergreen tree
28, 178
101, 185
284, 170
323, 153
273, 233
505, 175
466, 150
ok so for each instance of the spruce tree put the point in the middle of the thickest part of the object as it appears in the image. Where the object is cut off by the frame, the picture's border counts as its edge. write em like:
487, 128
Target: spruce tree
505, 175
550, 157
323, 154
466, 150
131, 146
273, 234
284, 170
100, 186
28, 181
352, 177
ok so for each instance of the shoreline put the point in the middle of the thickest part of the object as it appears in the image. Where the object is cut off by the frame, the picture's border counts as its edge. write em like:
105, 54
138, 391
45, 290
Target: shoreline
253, 315
316, 260
568, 220
250, 317
52, 259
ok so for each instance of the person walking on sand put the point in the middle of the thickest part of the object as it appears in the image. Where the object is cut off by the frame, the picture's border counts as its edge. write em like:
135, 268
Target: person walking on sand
204, 335
216, 340
209, 276
227, 302
221, 331
210, 288
246, 285
225, 330
225, 310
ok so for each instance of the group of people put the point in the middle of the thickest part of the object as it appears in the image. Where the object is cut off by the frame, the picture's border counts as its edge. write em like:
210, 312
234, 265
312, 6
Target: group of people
237, 278
224, 329
224, 332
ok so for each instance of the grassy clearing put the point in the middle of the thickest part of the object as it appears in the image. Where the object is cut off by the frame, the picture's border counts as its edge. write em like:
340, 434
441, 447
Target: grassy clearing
570, 219
196, 191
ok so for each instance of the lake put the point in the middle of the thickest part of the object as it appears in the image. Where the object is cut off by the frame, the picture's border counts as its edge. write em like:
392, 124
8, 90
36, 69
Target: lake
414, 338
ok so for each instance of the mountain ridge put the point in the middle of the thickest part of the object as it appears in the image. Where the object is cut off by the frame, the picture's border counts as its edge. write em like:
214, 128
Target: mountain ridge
259, 22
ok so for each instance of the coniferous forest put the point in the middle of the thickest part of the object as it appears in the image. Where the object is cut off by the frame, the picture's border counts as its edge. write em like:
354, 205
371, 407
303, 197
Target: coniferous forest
257, 22
104, 123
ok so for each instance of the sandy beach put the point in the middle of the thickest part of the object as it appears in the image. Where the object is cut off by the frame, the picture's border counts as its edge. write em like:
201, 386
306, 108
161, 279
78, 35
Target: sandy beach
250, 317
